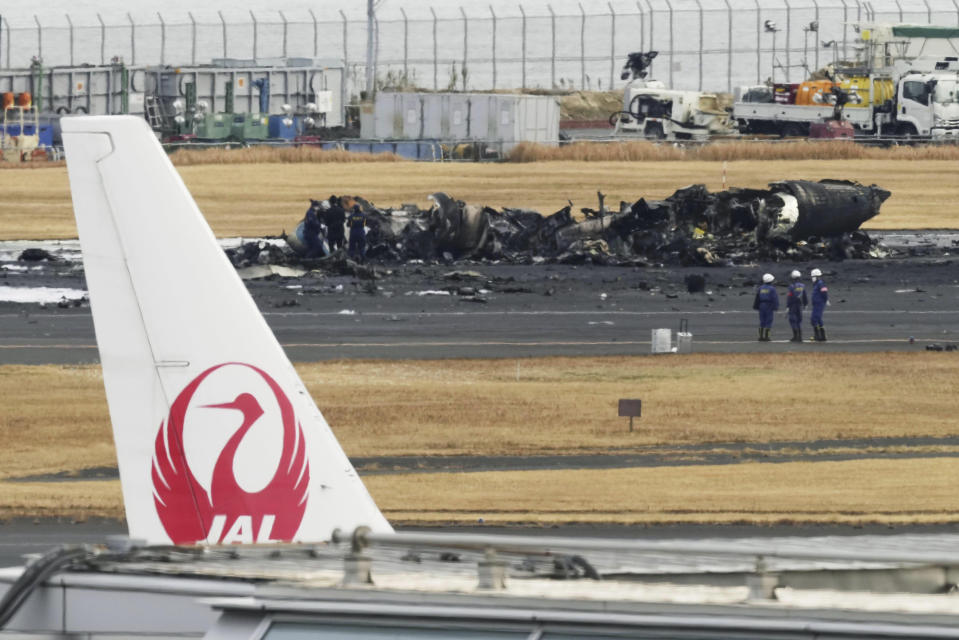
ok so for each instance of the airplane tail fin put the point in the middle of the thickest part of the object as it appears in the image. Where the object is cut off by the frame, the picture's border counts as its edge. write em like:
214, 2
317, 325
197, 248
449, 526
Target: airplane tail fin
217, 439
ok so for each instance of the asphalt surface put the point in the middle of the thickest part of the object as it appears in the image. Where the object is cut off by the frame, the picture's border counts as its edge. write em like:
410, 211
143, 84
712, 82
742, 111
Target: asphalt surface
535, 310
21, 537
902, 304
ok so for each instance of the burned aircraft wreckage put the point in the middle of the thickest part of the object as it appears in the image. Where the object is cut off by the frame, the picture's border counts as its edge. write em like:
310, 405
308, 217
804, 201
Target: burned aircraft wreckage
791, 220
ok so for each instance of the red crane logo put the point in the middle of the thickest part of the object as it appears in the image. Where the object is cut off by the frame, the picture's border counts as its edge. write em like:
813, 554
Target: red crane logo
227, 512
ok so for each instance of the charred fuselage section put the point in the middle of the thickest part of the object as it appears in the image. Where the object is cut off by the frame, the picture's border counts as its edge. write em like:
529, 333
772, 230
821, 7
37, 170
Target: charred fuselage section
791, 220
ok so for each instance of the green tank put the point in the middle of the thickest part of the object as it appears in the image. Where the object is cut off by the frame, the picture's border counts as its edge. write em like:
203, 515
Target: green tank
250, 126
214, 126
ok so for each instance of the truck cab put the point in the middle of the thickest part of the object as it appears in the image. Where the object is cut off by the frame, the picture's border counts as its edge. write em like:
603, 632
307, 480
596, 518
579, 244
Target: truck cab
927, 101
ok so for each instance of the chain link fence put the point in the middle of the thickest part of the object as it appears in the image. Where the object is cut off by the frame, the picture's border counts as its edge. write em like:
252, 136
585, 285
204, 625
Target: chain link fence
712, 45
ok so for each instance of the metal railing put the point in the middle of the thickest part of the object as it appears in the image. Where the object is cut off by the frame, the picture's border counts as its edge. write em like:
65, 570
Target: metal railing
703, 44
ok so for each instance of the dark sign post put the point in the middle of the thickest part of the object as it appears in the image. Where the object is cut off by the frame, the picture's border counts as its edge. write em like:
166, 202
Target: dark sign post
631, 409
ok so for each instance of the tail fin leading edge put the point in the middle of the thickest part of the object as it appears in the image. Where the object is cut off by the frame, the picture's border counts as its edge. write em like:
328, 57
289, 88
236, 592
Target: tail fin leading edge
217, 438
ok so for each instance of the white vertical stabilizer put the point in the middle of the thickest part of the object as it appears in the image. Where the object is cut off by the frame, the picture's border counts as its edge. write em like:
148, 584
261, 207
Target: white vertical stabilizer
217, 438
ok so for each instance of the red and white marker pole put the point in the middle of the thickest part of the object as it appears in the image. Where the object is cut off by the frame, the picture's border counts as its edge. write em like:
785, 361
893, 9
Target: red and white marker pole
724, 175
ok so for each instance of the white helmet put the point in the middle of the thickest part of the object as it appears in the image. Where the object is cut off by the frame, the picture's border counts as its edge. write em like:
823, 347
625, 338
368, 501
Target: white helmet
795, 274
815, 273
768, 277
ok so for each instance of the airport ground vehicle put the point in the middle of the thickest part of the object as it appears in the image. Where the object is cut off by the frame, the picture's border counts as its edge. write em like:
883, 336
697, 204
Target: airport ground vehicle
654, 111
916, 99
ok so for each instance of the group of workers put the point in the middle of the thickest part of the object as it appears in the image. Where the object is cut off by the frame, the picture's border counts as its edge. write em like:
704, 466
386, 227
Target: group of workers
767, 303
324, 233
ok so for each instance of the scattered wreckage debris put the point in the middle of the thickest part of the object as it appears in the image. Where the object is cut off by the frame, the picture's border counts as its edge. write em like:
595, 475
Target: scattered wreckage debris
34, 254
791, 220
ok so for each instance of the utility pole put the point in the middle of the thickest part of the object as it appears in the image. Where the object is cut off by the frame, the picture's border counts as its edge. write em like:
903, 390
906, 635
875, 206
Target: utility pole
370, 37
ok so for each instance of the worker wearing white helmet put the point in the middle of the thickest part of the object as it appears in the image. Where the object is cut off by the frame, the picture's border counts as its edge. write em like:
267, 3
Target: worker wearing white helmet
766, 303
820, 298
796, 301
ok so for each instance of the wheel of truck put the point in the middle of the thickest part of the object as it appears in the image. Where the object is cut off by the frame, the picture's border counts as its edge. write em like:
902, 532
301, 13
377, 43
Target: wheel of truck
655, 131
616, 117
907, 130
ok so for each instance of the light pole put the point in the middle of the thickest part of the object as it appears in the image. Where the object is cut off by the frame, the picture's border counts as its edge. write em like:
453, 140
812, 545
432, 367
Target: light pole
370, 44
770, 27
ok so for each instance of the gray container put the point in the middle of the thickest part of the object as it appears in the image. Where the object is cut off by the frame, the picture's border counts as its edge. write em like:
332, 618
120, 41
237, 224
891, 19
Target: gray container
96, 90
100, 90
500, 120
396, 116
295, 86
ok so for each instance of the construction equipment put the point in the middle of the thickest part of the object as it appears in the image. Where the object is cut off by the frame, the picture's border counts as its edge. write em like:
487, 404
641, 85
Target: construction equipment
654, 111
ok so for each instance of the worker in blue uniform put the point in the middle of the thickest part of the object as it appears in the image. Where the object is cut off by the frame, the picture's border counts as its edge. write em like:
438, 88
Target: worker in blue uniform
820, 299
312, 230
357, 224
335, 219
796, 301
766, 303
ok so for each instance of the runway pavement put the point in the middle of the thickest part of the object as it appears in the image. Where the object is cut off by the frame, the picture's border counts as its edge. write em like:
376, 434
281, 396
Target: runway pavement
543, 311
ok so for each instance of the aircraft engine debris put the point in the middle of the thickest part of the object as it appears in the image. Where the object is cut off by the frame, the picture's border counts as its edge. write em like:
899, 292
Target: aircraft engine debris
791, 220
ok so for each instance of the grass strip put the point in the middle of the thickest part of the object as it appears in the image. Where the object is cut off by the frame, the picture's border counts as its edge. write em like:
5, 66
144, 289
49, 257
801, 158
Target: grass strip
264, 199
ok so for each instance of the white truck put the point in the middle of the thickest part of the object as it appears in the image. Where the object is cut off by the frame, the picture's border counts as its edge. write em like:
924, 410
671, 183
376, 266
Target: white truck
924, 105
653, 111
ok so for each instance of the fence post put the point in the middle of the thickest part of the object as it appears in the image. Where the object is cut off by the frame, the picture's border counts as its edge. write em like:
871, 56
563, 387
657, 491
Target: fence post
955, 3
816, 37
652, 26
582, 48
256, 33
39, 37
493, 13
223, 22
845, 19
789, 39
899, 6
162, 39
612, 44
522, 12
344, 91
436, 85
133, 39
285, 32
2, 21
642, 26
316, 35
672, 48
729, 47
103, 38
70, 27
928, 11
552, 57
406, 44
192, 38
700, 6
759, 41
376, 48
466, 41
346, 55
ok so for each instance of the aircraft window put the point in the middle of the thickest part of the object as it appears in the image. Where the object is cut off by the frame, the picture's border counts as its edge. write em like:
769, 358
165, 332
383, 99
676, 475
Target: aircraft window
324, 631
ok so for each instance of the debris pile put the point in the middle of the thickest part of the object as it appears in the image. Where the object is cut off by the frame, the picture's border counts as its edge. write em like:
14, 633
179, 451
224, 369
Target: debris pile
791, 220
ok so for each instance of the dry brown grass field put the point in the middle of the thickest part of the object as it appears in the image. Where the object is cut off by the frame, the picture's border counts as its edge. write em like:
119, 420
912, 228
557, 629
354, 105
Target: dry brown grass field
264, 199
54, 419
907, 491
